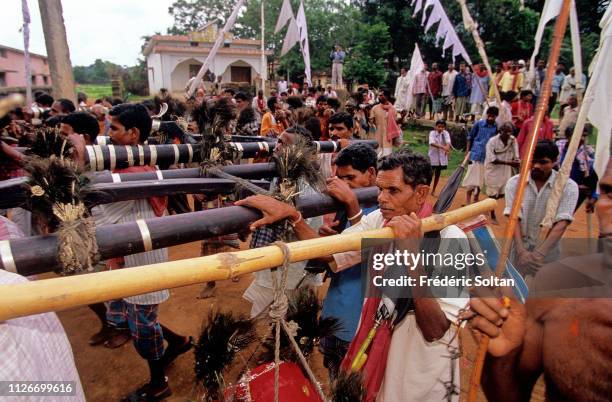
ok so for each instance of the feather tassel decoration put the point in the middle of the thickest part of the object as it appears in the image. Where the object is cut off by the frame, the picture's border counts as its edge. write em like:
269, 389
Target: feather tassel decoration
48, 141
348, 387
221, 337
57, 191
302, 314
295, 162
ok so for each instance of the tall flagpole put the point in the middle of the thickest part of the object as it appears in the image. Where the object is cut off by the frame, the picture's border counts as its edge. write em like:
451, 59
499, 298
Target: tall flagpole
26, 51
263, 55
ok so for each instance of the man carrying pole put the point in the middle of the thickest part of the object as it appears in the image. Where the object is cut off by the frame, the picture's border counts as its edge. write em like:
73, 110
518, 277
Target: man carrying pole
424, 334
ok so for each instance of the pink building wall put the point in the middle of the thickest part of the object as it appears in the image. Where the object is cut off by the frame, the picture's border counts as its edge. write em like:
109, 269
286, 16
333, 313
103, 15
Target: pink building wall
12, 68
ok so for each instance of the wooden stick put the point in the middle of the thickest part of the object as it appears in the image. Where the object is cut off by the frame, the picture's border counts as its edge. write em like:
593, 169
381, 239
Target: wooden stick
62, 293
541, 109
471, 26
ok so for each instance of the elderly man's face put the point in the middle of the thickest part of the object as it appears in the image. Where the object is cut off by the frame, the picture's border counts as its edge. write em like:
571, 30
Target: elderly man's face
396, 197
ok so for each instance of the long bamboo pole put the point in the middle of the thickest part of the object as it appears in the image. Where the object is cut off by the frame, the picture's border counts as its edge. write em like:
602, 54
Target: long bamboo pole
471, 26
62, 293
541, 109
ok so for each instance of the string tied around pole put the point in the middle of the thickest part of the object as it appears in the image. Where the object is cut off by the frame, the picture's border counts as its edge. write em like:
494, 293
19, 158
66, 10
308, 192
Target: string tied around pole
278, 312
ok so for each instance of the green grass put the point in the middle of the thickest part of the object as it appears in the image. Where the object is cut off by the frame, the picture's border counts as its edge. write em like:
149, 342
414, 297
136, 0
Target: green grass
417, 139
95, 91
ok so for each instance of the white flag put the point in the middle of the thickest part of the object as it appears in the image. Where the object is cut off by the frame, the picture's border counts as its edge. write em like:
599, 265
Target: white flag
417, 8
445, 27
416, 66
303, 27
291, 37
576, 47
551, 9
601, 107
213, 52
434, 17
286, 14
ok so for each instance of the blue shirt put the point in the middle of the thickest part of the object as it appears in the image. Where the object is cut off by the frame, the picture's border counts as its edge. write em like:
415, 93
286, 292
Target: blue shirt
557, 82
461, 87
479, 135
338, 57
344, 298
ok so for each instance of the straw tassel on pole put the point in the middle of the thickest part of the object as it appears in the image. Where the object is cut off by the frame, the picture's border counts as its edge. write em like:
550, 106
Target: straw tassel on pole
542, 105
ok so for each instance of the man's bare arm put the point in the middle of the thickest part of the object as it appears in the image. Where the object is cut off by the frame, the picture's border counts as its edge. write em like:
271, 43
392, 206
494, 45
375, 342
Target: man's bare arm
513, 363
555, 234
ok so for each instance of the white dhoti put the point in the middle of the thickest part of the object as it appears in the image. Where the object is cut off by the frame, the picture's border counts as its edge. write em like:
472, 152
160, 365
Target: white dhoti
474, 178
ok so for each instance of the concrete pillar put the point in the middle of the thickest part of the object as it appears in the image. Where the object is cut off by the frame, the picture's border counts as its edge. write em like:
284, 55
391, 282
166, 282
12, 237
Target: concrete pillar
57, 49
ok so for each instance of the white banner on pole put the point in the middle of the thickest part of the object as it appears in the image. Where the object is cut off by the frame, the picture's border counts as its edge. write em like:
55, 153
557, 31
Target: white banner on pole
445, 27
213, 52
286, 14
303, 27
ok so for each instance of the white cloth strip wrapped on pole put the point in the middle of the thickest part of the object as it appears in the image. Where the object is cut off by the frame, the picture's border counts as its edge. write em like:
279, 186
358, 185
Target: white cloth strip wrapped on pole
213, 52
472, 27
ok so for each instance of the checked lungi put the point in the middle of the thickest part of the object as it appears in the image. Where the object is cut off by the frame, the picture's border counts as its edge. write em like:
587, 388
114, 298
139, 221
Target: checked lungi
141, 319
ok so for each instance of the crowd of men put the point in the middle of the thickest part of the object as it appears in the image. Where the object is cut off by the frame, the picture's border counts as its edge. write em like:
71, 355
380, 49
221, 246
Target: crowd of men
409, 357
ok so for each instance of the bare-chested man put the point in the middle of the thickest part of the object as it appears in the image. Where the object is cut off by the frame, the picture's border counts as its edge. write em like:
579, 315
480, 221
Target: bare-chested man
566, 339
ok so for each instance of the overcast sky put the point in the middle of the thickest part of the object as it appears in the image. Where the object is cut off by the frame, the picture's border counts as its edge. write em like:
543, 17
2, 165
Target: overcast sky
97, 29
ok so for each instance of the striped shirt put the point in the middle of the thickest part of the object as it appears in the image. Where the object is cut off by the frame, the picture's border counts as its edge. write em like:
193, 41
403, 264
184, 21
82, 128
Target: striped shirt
126, 212
533, 208
34, 348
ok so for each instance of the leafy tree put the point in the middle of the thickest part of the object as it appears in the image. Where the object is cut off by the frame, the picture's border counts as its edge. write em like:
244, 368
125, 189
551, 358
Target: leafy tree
191, 15
367, 60
328, 24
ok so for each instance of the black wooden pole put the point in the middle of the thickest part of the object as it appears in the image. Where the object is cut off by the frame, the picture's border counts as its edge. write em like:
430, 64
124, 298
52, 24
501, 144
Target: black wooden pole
38, 254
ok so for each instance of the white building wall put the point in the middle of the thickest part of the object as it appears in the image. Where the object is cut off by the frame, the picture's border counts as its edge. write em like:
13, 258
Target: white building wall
154, 72
166, 70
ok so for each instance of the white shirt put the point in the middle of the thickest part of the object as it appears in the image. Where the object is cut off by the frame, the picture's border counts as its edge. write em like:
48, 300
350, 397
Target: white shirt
448, 80
437, 156
282, 86
35, 348
415, 369
126, 212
